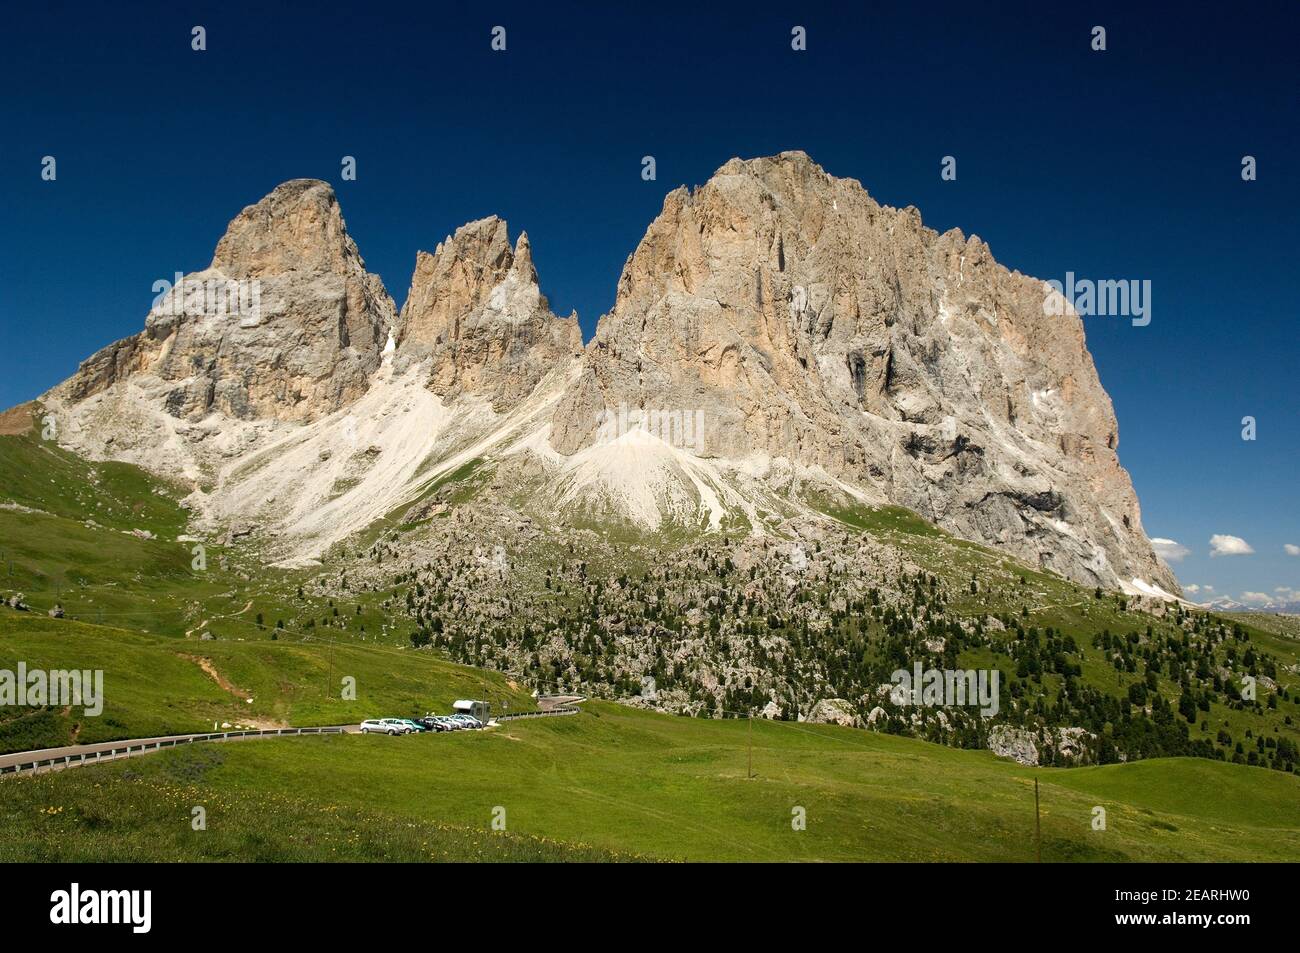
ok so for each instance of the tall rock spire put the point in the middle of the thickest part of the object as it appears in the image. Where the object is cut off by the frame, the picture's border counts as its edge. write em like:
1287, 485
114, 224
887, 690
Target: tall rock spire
476, 312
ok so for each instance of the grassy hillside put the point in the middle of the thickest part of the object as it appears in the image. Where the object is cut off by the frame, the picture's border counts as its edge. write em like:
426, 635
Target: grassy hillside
107, 542
616, 782
159, 685
184, 645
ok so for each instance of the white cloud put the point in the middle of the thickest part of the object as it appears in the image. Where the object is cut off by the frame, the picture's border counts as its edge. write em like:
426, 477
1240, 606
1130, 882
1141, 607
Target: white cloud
1224, 545
1287, 593
1193, 589
1169, 550
1291, 549
1259, 598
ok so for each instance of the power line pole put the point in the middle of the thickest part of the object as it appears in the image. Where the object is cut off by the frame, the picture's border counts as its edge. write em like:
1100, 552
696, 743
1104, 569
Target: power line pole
1038, 826
749, 732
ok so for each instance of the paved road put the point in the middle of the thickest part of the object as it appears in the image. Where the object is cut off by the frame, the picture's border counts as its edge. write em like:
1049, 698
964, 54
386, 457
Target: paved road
552, 702
548, 705
76, 751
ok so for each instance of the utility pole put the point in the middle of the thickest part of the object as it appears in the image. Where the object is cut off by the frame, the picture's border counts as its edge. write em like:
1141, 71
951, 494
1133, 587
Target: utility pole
1038, 826
749, 732
329, 654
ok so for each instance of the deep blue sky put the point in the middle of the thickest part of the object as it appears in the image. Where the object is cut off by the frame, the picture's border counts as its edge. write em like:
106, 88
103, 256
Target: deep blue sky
1122, 164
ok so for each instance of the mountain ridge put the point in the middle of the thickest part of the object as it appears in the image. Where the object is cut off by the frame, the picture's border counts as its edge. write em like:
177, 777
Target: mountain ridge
775, 333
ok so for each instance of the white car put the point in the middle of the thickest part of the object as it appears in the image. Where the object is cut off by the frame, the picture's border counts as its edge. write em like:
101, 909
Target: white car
387, 726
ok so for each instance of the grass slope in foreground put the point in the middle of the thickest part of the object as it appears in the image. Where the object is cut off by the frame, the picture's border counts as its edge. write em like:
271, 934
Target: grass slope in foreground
615, 782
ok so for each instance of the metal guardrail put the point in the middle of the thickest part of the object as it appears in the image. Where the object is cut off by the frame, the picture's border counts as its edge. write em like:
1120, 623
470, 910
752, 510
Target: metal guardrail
112, 754
126, 750
537, 714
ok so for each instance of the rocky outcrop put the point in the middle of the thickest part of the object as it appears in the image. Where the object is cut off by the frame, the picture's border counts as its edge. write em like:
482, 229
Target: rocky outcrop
1018, 744
1072, 743
805, 321
834, 711
285, 324
1051, 745
476, 311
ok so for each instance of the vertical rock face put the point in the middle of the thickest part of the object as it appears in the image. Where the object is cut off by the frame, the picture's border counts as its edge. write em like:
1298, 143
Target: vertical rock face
285, 324
805, 321
476, 311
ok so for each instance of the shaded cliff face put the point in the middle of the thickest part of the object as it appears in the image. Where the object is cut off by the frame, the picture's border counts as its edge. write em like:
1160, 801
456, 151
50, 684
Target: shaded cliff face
285, 324
476, 312
807, 322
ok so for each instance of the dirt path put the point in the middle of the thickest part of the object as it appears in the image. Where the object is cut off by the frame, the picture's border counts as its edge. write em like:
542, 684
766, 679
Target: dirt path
211, 671
228, 615
206, 664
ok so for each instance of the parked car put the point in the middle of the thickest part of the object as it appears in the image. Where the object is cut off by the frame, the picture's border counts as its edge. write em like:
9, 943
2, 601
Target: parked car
387, 726
467, 721
416, 726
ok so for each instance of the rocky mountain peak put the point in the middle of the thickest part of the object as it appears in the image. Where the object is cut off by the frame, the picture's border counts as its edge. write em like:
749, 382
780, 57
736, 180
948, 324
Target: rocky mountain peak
297, 227
476, 311
798, 319
786, 340
523, 263
284, 325
454, 281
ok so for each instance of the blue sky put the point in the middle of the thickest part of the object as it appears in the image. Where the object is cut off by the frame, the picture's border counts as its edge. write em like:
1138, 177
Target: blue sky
1122, 164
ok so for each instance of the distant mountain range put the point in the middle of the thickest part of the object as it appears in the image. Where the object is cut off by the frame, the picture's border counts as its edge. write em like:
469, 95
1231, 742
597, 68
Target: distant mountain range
1225, 604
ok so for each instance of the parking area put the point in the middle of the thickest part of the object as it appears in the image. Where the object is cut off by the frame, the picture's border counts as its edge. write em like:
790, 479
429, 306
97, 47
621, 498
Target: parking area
466, 715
